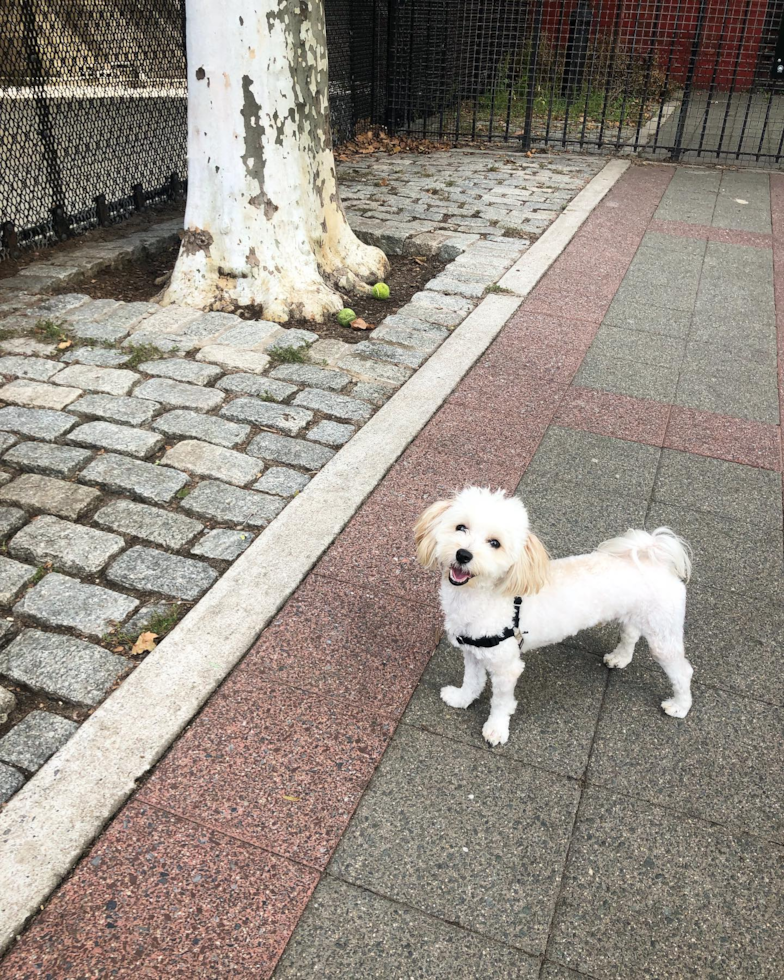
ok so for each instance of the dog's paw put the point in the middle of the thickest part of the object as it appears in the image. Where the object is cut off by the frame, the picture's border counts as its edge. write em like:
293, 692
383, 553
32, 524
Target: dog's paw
617, 660
454, 697
675, 708
496, 731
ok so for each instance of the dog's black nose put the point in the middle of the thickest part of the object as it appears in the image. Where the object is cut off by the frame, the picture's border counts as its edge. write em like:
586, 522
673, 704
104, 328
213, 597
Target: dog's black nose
463, 556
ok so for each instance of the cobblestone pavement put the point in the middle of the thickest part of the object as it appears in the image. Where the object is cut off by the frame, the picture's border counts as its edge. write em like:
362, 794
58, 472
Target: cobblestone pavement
327, 815
141, 461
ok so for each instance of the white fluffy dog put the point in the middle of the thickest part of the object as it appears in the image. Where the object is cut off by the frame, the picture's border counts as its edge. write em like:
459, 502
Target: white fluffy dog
501, 593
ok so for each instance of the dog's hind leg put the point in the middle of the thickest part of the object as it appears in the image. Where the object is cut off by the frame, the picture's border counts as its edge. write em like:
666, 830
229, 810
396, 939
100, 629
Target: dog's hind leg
622, 655
474, 678
502, 704
671, 658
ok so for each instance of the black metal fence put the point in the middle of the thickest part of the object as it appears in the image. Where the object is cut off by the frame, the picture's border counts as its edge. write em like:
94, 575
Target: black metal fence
694, 80
93, 94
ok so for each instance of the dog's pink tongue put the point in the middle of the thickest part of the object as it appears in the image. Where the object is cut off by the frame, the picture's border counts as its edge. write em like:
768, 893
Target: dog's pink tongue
458, 574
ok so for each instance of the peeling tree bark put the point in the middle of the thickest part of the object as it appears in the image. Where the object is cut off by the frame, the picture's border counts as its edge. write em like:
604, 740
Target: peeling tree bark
264, 225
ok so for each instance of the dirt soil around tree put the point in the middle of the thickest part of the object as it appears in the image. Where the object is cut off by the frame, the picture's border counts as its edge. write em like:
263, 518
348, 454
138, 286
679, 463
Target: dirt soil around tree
143, 278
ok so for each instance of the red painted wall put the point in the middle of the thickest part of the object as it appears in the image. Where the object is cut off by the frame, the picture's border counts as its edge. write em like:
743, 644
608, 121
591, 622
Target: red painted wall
730, 36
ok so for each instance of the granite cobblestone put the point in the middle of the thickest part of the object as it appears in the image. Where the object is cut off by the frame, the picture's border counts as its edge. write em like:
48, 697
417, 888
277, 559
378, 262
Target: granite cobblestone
163, 527
214, 462
50, 460
70, 547
118, 438
149, 570
125, 410
120, 474
60, 601
208, 428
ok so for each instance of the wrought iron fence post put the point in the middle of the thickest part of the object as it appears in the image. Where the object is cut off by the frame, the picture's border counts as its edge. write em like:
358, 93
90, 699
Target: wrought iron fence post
530, 89
390, 110
102, 210
44, 117
9, 239
580, 22
684, 111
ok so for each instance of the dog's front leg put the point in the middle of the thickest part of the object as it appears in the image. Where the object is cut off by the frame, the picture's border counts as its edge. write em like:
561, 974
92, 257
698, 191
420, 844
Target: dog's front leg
474, 678
504, 672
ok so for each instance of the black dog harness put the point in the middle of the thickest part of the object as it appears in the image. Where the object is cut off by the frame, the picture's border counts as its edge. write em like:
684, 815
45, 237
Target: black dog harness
493, 641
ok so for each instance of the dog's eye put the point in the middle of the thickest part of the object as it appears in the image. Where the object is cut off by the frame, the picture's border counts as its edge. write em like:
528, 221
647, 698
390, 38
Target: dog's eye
494, 543
461, 527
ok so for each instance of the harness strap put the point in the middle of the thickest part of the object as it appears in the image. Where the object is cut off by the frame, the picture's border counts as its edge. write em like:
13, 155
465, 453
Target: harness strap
486, 642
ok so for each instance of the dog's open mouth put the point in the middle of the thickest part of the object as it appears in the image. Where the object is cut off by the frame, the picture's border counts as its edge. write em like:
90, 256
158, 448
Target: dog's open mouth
459, 575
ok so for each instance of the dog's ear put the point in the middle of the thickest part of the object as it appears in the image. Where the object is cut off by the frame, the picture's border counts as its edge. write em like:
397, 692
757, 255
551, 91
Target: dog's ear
531, 571
423, 532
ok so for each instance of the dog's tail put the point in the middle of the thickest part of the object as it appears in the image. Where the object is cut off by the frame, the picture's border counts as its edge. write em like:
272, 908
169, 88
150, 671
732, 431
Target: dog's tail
662, 547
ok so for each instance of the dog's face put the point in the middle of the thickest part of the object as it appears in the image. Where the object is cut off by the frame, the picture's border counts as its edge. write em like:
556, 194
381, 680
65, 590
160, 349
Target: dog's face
482, 539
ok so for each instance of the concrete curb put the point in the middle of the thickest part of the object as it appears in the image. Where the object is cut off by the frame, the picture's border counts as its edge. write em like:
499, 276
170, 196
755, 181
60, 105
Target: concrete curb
51, 821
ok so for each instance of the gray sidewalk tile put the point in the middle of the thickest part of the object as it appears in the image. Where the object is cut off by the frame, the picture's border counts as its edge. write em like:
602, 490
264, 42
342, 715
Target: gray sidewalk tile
664, 278
744, 493
558, 699
462, 834
649, 893
638, 346
605, 371
674, 249
746, 267
736, 642
725, 329
347, 933
741, 386
627, 312
721, 763
638, 292
728, 555
572, 524
554, 971
690, 196
737, 280
754, 215
612, 467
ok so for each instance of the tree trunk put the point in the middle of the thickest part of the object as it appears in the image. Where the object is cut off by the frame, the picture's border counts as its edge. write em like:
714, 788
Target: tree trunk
264, 225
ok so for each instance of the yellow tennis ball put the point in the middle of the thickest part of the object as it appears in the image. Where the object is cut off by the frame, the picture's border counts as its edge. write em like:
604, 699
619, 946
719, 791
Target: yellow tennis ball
346, 316
381, 290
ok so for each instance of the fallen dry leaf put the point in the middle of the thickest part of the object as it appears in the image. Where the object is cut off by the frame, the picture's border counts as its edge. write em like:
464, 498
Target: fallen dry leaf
145, 643
65, 344
118, 649
420, 259
293, 799
360, 324
383, 182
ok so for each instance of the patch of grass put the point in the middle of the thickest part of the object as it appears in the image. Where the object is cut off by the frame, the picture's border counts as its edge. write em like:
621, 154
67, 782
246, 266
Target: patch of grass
495, 288
513, 233
160, 624
182, 494
39, 574
50, 329
139, 353
288, 355
449, 183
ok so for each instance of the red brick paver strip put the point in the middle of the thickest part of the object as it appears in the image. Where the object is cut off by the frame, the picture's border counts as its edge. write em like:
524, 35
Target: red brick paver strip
208, 868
